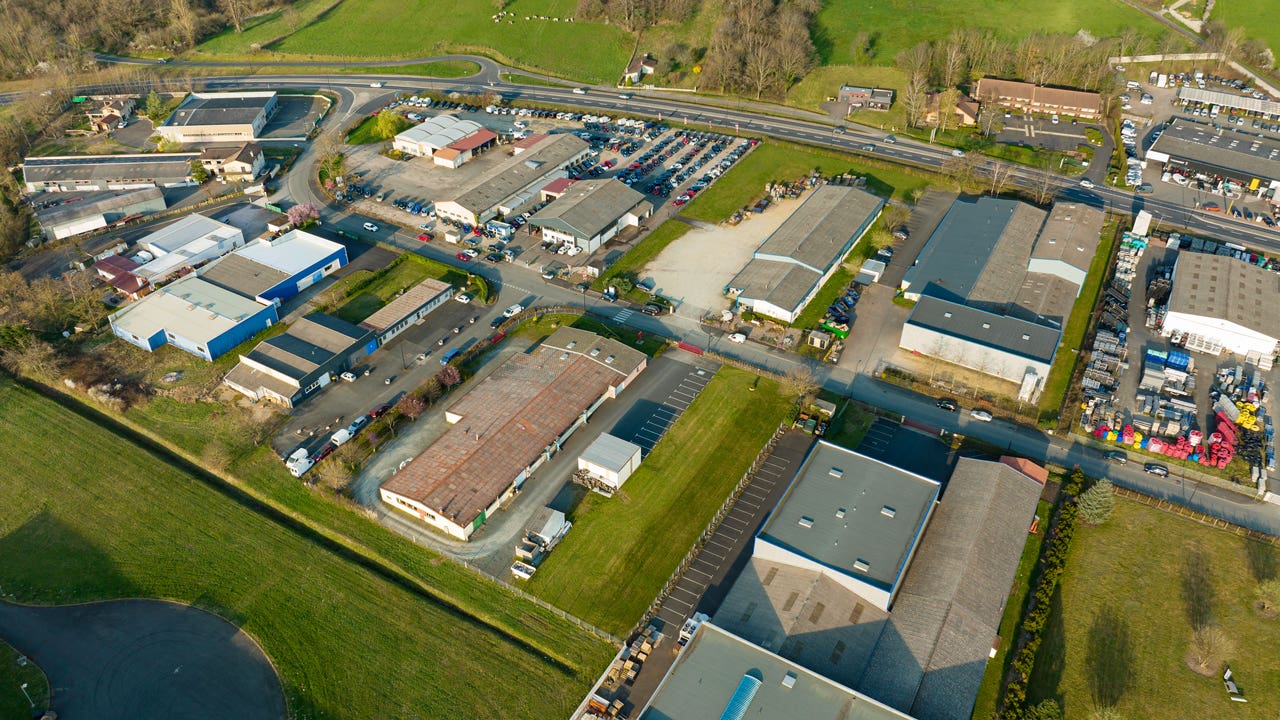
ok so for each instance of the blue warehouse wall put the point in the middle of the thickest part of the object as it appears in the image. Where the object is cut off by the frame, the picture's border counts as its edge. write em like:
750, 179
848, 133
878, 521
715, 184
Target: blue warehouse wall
251, 326
305, 279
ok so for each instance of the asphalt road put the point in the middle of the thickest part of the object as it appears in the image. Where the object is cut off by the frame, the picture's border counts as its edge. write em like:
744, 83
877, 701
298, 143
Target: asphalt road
129, 659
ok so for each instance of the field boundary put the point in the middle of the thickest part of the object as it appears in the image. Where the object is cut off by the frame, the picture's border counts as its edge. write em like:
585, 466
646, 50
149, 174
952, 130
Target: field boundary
1197, 516
344, 547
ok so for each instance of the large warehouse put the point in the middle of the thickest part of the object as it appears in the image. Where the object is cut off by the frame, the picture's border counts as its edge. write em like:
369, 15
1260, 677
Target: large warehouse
506, 426
514, 185
289, 368
791, 265
272, 270
97, 211
450, 140
222, 117
1001, 345
86, 173
1221, 304
589, 214
1251, 163
184, 245
192, 315
868, 576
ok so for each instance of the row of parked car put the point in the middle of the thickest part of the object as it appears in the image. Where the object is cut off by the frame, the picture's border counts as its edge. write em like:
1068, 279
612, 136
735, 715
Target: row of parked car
302, 460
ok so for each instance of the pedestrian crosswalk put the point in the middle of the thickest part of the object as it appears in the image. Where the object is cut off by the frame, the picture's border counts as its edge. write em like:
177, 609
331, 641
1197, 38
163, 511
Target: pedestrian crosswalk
623, 315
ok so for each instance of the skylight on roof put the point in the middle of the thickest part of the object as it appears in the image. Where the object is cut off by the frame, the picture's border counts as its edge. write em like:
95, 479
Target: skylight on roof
861, 565
835, 472
806, 521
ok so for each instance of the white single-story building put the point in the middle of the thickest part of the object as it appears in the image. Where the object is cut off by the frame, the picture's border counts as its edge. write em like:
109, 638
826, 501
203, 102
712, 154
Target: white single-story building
187, 243
589, 214
1220, 303
610, 460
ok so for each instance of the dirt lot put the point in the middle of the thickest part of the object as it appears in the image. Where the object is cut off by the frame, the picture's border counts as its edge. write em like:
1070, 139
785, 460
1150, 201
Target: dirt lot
695, 269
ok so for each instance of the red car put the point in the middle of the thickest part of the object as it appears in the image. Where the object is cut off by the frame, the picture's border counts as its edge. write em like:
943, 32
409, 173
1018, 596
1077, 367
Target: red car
379, 411
424, 237
325, 452
463, 257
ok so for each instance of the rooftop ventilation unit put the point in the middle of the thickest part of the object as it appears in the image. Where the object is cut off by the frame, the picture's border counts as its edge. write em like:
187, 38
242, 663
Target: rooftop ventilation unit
835, 472
861, 565
888, 511
609, 359
595, 352
840, 513
789, 680
806, 521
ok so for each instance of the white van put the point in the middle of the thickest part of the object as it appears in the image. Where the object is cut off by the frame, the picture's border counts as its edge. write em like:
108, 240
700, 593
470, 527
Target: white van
579, 91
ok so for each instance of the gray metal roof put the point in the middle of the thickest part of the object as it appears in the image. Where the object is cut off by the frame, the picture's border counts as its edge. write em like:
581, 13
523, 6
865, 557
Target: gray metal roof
157, 167
406, 304
1229, 100
185, 231
931, 655
965, 244
1226, 150
1224, 288
610, 353
95, 203
1002, 332
610, 452
1071, 234
220, 109
783, 284
520, 172
821, 230
845, 509
588, 208
238, 273
710, 669
309, 343
1044, 299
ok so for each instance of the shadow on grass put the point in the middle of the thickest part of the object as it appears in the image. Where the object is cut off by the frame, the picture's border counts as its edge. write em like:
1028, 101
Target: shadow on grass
1051, 660
1197, 587
1109, 658
47, 561
1262, 560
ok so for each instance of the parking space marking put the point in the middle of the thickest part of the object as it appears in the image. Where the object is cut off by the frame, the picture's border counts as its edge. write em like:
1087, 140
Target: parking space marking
720, 543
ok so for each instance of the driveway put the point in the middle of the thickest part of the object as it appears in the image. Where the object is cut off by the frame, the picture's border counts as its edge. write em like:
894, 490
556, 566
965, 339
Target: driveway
130, 659
1037, 132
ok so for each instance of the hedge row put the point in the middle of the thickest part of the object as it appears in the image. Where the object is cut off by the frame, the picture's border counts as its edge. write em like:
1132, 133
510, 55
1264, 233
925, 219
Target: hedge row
1053, 560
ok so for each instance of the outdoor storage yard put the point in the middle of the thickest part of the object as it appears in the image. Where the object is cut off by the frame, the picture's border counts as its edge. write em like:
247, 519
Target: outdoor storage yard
1119, 636
277, 579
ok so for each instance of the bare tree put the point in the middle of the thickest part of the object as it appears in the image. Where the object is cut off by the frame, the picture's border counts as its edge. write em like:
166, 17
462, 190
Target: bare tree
1044, 184
793, 47
1000, 174
184, 21
33, 358
799, 381
947, 100
960, 168
914, 101
951, 60
914, 61
235, 10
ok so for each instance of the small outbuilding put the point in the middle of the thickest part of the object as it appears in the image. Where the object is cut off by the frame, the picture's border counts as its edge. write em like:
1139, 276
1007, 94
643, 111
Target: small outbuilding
611, 460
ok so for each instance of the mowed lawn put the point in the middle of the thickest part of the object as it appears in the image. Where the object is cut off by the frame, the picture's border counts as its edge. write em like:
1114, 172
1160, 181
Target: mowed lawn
896, 25
1123, 615
423, 28
783, 162
622, 549
87, 515
370, 291
1256, 17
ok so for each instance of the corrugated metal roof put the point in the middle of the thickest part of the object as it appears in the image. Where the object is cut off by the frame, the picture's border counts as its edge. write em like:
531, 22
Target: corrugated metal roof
821, 230
612, 453
1002, 332
1224, 288
1226, 150
588, 208
406, 304
160, 167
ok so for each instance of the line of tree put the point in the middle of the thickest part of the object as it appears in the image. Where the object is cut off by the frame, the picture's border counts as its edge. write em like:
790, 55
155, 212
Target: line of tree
634, 15
761, 47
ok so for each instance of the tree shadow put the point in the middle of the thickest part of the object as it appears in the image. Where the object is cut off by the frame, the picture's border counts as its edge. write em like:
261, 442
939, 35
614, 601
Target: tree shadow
1262, 560
45, 560
1109, 658
1197, 587
1051, 660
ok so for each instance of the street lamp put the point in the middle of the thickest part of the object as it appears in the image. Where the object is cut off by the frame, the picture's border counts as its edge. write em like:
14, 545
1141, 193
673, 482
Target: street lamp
24, 692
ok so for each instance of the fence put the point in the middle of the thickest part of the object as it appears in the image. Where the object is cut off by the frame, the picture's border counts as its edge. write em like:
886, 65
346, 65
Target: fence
710, 530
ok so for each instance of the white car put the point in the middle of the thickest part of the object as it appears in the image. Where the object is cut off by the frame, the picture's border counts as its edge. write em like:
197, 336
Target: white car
370, 227
982, 415
348, 376
513, 311
737, 338
1086, 183
462, 298
296, 457
300, 468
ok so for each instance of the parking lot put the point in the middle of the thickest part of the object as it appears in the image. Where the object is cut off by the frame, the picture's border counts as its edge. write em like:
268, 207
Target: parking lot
295, 116
1063, 136
648, 420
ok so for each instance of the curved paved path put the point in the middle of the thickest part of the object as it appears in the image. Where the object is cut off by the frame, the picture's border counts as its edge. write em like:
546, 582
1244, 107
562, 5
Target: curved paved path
141, 659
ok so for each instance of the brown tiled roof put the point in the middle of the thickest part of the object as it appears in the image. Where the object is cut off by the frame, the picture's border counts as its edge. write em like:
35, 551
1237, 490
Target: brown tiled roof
1025, 91
528, 141
412, 299
115, 265
476, 139
1026, 467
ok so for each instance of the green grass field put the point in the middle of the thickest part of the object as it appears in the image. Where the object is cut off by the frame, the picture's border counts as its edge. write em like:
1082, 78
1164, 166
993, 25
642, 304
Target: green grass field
542, 327
347, 642
622, 549
13, 704
1064, 362
367, 292
365, 133
640, 254
586, 51
1122, 620
785, 162
896, 25
1252, 17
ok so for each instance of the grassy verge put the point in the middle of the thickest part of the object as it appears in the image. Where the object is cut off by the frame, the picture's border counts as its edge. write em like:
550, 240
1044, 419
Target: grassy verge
434, 69
623, 549
543, 327
785, 162
644, 251
1064, 362
13, 704
366, 133
851, 423
1010, 621
158, 531
817, 307
366, 292
1123, 622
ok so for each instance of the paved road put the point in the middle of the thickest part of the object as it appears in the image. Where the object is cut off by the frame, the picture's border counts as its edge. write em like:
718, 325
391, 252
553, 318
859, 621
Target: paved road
132, 659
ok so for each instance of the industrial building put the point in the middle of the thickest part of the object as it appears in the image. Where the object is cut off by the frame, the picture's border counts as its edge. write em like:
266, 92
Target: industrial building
87, 173
995, 284
791, 265
609, 461
448, 139
291, 367
97, 211
865, 98
183, 246
221, 117
408, 309
589, 214
1219, 303
507, 425
1248, 162
720, 675
234, 163
880, 580
192, 315
1262, 107
274, 269
514, 185
1029, 97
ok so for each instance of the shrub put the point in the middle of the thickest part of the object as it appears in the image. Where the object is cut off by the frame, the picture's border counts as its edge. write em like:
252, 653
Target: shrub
1097, 503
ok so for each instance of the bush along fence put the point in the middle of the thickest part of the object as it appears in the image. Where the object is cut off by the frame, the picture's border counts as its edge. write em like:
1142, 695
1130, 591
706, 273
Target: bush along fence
710, 530
1053, 559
